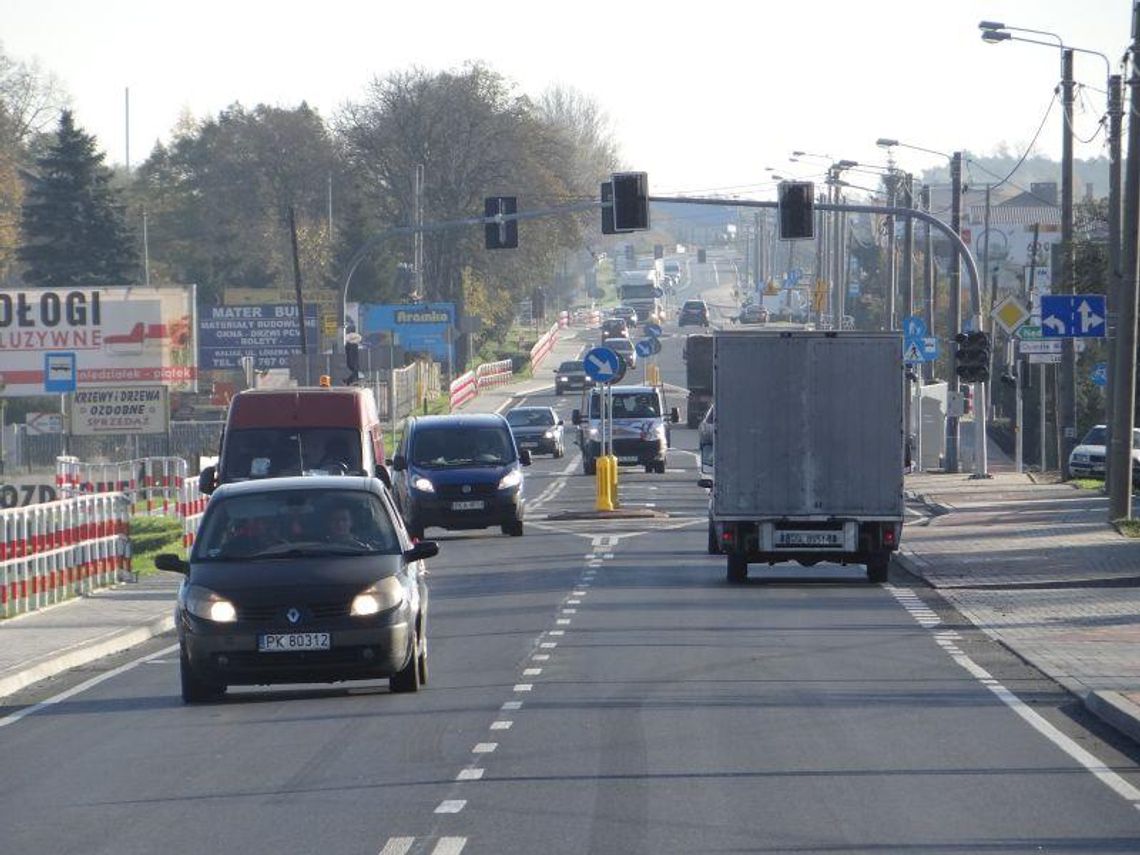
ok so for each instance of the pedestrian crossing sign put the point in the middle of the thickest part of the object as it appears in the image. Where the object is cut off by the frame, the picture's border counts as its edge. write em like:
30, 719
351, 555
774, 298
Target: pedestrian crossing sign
913, 352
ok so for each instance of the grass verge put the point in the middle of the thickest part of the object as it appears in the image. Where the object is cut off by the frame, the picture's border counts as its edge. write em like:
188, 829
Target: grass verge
1088, 484
1128, 528
150, 536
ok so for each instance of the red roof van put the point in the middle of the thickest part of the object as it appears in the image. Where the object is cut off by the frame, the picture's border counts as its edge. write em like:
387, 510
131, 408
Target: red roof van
271, 433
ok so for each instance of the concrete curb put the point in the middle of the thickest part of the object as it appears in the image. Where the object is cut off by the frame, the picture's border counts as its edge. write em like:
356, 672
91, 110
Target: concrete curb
1115, 710
113, 642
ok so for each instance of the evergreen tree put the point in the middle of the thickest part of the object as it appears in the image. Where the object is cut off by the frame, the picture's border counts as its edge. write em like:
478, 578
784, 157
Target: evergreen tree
74, 231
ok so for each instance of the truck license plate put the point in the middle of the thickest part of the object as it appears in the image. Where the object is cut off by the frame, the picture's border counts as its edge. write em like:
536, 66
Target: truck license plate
467, 506
809, 538
285, 642
628, 459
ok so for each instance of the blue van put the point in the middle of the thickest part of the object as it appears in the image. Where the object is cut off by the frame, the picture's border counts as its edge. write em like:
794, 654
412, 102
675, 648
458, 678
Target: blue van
459, 472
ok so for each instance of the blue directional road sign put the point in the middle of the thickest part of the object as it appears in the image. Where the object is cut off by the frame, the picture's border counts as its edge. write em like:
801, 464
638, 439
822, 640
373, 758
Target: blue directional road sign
653, 330
603, 365
644, 347
913, 327
59, 371
1100, 374
1073, 316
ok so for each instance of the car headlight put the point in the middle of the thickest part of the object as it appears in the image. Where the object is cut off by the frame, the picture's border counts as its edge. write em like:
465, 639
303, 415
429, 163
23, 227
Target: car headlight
204, 603
386, 594
549, 434
563, 379
511, 479
592, 432
423, 484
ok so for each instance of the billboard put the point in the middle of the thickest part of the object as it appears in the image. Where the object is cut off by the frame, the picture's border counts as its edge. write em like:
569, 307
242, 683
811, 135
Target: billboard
267, 332
120, 410
421, 327
119, 336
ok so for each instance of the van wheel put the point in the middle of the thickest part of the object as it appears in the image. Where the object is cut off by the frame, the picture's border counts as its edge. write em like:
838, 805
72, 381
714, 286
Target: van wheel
649, 468
514, 529
878, 568
659, 466
737, 569
589, 465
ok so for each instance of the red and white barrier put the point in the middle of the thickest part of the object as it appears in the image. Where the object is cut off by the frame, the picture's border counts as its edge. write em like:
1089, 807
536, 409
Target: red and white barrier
543, 346
463, 389
55, 550
153, 484
191, 506
494, 373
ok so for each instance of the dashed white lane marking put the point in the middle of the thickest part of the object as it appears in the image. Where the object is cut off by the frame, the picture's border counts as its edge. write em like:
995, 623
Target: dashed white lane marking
451, 806
449, 846
512, 705
557, 632
469, 775
523, 687
485, 748
531, 672
1031, 717
548, 645
573, 602
576, 594
398, 846
563, 621
541, 657
501, 725
569, 611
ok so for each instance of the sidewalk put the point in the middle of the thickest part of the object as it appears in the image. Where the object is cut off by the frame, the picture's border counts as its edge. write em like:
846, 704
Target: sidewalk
43, 644
1039, 568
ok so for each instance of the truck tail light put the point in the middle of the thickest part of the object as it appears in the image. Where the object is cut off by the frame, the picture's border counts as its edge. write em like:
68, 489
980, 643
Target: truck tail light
888, 537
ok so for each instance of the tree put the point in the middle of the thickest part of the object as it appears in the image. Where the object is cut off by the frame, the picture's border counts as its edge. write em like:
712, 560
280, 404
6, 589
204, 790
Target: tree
74, 231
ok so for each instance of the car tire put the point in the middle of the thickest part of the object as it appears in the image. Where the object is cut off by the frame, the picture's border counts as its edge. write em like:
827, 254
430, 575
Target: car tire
878, 568
514, 529
559, 451
649, 468
195, 690
407, 679
589, 466
737, 569
422, 658
659, 467
558, 391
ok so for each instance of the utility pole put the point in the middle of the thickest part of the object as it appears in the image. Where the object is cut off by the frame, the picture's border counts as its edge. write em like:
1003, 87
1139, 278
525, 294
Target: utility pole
759, 246
418, 239
908, 247
1067, 429
955, 306
892, 179
1124, 362
1115, 117
928, 275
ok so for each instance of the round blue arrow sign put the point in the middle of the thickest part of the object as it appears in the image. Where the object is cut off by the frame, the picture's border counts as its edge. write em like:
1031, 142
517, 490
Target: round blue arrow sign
603, 365
653, 330
644, 347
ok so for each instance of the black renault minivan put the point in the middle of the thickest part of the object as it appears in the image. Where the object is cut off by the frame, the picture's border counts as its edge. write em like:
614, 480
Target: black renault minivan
459, 472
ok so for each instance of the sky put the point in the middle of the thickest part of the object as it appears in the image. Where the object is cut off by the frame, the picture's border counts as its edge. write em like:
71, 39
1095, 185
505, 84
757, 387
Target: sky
708, 98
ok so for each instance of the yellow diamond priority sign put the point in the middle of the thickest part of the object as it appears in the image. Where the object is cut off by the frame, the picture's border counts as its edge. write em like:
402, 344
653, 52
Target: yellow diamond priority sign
1010, 313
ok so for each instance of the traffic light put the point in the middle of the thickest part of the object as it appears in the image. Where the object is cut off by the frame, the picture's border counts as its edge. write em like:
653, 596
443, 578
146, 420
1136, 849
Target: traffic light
352, 358
973, 357
631, 201
607, 210
505, 234
797, 210
700, 256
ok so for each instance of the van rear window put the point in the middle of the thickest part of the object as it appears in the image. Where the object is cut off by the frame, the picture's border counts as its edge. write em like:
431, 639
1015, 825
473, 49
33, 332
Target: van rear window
279, 452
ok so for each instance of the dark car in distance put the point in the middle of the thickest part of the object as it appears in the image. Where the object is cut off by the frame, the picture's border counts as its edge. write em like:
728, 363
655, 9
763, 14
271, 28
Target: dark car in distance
537, 429
301, 580
459, 472
753, 313
693, 312
614, 328
571, 374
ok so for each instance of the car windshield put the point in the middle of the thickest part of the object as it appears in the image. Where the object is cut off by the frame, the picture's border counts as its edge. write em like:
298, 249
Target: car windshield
622, 345
276, 452
440, 447
530, 418
630, 405
1099, 436
571, 367
692, 306
286, 523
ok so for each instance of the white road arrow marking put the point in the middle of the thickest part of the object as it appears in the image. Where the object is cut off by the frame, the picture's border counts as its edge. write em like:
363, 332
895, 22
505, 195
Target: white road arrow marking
1053, 322
1089, 318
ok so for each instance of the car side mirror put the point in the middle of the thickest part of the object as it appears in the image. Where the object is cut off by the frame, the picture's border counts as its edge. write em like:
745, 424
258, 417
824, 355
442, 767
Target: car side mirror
561, 422
524, 457
576, 417
208, 480
172, 563
707, 483
382, 474
423, 549
675, 415
399, 463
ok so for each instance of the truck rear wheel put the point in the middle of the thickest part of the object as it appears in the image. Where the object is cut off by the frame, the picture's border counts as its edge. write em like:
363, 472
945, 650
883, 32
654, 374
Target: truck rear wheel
737, 569
878, 568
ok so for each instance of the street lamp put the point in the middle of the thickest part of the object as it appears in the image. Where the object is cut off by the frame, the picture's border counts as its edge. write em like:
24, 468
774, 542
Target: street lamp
1123, 356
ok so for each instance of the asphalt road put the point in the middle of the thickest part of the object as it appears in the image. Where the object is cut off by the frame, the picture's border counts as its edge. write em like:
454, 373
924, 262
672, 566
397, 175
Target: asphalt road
597, 687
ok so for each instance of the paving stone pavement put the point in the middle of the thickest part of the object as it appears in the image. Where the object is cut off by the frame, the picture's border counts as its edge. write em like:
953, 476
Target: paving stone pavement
1039, 567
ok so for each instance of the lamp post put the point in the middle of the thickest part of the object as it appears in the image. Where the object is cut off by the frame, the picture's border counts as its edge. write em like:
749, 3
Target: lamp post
952, 430
994, 32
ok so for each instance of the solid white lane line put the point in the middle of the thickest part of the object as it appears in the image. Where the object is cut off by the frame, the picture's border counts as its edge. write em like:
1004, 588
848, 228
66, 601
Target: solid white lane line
83, 687
451, 806
469, 775
449, 846
485, 747
398, 846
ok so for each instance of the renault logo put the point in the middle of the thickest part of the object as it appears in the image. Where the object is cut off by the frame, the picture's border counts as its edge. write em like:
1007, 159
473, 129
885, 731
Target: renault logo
293, 615
466, 488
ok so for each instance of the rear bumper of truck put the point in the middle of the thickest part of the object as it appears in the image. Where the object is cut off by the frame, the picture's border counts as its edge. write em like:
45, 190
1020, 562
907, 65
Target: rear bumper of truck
807, 542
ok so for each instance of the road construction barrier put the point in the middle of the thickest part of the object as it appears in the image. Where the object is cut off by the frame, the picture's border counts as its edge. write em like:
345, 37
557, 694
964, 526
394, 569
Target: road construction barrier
488, 374
543, 346
55, 550
463, 389
563, 320
191, 506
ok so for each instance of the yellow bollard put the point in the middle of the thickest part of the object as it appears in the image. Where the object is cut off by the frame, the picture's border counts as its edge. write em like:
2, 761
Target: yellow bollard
604, 501
613, 473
